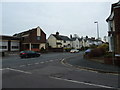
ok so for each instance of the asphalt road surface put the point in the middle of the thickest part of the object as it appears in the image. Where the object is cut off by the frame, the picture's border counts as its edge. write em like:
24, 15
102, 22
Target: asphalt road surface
47, 71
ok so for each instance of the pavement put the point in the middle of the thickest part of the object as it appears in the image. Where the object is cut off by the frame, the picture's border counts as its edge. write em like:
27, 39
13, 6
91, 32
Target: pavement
82, 63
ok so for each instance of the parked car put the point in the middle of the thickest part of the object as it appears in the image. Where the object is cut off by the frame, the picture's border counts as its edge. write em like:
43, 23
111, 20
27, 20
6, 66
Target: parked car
87, 51
26, 54
74, 51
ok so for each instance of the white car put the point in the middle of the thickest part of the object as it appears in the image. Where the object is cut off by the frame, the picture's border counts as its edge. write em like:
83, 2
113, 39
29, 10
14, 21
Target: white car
74, 51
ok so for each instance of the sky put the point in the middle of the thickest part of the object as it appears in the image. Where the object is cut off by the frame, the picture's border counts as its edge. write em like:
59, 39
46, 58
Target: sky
65, 17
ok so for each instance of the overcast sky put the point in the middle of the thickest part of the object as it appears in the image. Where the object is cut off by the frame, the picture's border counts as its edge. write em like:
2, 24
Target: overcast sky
65, 17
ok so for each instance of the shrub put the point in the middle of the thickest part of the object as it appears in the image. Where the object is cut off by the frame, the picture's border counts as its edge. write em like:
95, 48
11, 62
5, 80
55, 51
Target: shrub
85, 48
108, 55
67, 49
93, 46
42, 49
82, 48
97, 52
104, 46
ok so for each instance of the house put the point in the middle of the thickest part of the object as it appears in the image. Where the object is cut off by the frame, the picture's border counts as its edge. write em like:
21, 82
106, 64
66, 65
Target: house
9, 43
105, 39
87, 42
59, 41
76, 43
114, 28
33, 39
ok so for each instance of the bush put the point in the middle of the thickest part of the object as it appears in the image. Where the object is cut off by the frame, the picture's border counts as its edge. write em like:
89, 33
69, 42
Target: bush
82, 48
42, 50
104, 46
108, 55
85, 48
93, 46
97, 52
67, 49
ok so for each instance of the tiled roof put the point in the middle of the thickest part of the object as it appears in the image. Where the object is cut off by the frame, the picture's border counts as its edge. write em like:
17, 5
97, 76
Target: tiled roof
26, 32
61, 37
4, 37
73, 39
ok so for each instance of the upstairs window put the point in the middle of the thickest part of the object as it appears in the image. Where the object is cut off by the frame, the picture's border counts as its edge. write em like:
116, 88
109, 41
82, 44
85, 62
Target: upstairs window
38, 37
64, 41
23, 38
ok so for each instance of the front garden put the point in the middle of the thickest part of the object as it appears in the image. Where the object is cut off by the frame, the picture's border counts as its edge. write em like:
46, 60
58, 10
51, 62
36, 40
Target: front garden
102, 55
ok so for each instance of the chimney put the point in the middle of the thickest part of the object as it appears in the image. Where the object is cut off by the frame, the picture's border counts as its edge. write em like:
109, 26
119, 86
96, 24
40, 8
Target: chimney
71, 36
57, 33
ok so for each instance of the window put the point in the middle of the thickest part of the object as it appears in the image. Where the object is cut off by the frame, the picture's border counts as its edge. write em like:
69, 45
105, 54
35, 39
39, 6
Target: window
23, 38
35, 45
64, 45
64, 41
3, 47
38, 37
14, 47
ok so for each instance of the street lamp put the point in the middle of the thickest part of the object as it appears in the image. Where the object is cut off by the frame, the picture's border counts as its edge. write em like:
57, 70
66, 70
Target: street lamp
97, 30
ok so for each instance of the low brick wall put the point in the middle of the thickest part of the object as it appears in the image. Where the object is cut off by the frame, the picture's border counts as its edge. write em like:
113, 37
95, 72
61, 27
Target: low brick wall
104, 60
115, 61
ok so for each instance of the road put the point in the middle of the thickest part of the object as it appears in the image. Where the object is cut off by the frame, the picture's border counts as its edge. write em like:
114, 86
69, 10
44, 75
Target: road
47, 71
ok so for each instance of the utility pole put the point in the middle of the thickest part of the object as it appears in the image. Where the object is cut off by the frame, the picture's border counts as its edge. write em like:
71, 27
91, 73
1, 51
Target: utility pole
97, 29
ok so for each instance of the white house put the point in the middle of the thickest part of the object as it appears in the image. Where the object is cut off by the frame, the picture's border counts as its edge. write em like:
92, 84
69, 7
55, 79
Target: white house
105, 39
87, 42
9, 43
59, 41
76, 43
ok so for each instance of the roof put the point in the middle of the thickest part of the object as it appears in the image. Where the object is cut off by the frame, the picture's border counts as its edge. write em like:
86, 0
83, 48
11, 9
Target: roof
92, 39
4, 37
61, 37
115, 5
23, 33
74, 38
26, 32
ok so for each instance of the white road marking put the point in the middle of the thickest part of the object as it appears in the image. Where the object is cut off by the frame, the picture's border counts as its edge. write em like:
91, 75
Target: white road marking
19, 70
29, 64
24, 59
73, 81
42, 62
21, 65
36, 63
51, 60
3, 69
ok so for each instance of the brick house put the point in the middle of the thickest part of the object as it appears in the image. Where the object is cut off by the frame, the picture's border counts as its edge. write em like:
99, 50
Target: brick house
33, 39
114, 28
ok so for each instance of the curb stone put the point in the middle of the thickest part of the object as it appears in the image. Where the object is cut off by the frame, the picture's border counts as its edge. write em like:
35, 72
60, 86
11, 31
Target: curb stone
64, 61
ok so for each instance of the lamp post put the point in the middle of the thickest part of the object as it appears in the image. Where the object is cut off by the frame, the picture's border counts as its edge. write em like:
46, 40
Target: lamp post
97, 30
